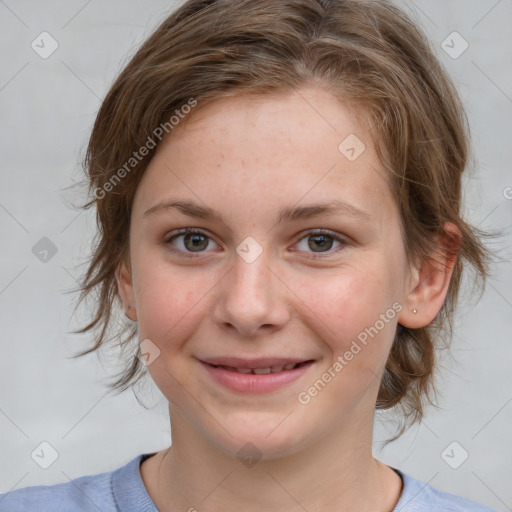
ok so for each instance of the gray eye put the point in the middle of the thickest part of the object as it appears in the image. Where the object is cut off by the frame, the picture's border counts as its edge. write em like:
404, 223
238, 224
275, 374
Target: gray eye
320, 241
190, 241
195, 242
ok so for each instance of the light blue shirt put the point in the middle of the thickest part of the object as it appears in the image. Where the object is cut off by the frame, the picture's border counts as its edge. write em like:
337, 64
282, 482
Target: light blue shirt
122, 490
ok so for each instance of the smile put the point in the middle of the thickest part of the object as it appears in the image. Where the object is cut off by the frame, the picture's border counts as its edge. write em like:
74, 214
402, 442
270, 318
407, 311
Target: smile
262, 371
256, 380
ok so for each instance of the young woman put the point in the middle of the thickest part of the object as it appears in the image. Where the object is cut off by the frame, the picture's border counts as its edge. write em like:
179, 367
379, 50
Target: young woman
278, 188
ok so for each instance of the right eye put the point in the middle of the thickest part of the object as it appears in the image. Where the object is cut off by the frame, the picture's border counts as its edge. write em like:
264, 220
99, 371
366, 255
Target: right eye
192, 241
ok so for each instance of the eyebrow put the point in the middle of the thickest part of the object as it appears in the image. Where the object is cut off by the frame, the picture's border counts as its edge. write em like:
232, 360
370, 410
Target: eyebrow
291, 214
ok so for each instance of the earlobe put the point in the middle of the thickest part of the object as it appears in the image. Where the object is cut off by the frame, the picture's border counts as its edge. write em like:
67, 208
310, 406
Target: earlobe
125, 290
432, 281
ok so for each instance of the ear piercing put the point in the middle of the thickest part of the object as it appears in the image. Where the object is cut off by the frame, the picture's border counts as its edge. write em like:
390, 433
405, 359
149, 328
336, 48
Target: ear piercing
414, 310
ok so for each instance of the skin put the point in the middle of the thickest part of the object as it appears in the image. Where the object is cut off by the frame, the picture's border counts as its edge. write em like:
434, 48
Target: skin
248, 157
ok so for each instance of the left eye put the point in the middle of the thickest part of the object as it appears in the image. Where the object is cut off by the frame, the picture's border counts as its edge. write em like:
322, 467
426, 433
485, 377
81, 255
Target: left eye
321, 240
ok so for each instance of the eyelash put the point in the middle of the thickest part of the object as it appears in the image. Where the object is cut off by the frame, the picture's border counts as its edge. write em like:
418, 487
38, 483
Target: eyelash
195, 231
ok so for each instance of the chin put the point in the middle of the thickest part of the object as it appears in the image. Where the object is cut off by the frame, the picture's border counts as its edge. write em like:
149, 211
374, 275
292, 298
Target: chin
254, 443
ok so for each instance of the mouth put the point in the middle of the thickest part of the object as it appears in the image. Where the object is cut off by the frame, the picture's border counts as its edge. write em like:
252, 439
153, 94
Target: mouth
256, 376
262, 371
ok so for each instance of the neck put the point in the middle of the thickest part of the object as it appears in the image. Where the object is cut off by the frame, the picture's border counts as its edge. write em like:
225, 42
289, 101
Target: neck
337, 473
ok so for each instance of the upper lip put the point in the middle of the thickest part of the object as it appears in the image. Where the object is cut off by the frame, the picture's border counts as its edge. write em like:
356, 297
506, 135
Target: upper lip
261, 362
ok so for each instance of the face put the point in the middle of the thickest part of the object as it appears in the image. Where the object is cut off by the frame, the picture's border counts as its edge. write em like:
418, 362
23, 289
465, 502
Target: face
312, 285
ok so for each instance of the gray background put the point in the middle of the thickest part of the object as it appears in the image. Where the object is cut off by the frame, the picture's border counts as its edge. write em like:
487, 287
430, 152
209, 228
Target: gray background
47, 110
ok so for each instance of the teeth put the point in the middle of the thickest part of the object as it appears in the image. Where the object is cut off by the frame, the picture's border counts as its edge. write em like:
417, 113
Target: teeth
262, 371
242, 370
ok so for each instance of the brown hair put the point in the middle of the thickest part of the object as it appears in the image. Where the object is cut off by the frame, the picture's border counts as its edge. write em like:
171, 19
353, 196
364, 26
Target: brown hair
368, 53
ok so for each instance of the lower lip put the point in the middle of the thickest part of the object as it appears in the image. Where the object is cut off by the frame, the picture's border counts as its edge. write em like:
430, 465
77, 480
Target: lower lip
252, 383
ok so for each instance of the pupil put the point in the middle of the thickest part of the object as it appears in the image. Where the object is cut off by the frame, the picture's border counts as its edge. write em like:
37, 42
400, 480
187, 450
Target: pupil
321, 240
197, 243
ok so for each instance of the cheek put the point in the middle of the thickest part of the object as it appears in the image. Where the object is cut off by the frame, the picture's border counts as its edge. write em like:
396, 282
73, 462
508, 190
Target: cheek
353, 316
352, 306
169, 301
172, 304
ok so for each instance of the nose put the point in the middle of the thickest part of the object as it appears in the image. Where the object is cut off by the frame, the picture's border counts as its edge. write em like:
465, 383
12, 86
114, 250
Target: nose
252, 299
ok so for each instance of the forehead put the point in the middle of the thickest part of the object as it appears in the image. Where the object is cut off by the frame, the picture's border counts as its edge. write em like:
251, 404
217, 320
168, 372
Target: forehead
302, 146
293, 115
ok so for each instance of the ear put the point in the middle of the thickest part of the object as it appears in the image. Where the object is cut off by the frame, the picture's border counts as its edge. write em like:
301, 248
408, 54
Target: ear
125, 288
429, 284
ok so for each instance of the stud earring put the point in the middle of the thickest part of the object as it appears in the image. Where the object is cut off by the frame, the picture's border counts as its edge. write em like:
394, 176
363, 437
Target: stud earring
414, 310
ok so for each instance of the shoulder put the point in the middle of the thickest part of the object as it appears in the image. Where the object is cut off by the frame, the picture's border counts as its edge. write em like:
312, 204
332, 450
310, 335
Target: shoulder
102, 491
84, 493
419, 496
